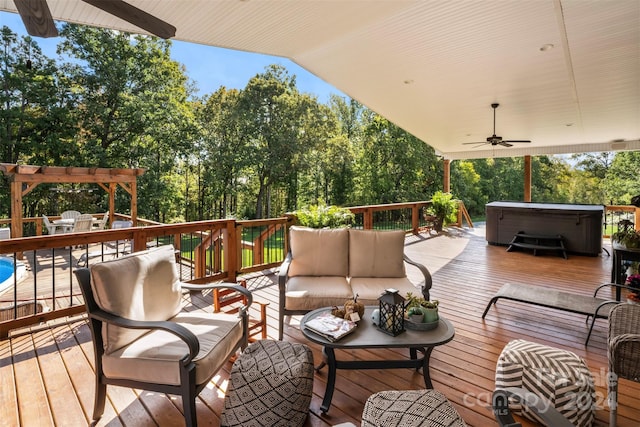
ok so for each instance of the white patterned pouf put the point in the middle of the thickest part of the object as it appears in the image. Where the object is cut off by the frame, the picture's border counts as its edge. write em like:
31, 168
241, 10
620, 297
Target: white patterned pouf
271, 385
410, 408
559, 376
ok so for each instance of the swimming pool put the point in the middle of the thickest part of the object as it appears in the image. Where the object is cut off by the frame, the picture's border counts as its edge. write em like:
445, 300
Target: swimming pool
6, 272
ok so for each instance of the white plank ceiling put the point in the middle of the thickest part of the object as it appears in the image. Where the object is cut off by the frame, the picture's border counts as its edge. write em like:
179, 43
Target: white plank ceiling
434, 67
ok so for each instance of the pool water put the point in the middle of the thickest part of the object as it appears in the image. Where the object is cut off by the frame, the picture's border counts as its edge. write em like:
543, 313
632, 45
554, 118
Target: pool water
6, 272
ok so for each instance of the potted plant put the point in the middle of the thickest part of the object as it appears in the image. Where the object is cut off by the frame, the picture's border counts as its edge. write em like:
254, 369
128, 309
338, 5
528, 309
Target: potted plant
417, 305
633, 281
415, 314
626, 236
444, 209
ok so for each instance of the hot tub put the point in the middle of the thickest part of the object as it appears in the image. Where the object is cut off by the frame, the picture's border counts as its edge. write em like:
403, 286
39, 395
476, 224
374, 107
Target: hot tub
579, 225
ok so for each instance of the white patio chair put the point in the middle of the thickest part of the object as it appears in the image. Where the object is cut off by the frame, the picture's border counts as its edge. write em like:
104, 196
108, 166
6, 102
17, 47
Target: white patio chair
70, 214
51, 228
102, 223
82, 223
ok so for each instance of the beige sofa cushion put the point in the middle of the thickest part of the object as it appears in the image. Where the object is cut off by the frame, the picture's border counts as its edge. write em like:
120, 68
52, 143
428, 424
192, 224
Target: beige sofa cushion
155, 357
369, 289
308, 292
376, 253
323, 252
140, 286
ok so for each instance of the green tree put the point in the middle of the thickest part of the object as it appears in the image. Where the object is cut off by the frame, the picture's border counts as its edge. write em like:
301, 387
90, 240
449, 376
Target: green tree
278, 124
622, 181
393, 165
36, 120
134, 110
465, 185
222, 152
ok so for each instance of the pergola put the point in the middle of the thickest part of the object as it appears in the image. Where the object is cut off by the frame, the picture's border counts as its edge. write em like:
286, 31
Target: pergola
24, 178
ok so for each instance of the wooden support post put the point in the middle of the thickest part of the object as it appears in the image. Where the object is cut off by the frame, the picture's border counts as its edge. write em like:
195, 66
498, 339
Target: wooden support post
527, 178
134, 204
16, 209
446, 179
112, 202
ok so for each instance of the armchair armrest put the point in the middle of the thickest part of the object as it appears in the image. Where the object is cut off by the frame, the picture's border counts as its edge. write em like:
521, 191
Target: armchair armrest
174, 328
284, 271
613, 285
237, 288
621, 349
535, 403
428, 281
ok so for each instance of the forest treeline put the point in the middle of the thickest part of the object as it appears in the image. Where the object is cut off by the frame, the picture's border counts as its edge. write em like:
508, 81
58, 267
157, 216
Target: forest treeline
118, 100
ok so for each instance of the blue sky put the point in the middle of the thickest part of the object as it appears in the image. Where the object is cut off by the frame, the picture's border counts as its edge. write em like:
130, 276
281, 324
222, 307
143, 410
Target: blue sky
210, 67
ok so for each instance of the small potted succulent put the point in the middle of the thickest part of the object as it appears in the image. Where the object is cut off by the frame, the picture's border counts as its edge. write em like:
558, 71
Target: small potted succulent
417, 305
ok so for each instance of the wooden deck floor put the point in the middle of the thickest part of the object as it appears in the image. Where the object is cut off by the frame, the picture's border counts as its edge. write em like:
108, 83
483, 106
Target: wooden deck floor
46, 376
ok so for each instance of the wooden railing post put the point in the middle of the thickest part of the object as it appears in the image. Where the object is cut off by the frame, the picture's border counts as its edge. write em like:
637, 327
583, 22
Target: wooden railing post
415, 219
232, 250
367, 219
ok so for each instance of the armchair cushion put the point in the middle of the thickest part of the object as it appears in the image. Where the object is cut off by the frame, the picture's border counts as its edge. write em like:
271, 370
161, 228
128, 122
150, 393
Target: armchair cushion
155, 357
119, 286
319, 252
376, 253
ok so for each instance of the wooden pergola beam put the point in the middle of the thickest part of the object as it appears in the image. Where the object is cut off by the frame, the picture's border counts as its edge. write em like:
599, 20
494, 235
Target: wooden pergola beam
24, 178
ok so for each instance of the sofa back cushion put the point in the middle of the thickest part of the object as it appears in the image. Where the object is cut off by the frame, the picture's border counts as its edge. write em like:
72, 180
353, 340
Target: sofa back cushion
376, 253
319, 252
140, 286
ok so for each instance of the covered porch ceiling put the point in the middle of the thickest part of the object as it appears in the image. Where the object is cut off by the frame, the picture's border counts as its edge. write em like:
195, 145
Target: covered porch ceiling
435, 67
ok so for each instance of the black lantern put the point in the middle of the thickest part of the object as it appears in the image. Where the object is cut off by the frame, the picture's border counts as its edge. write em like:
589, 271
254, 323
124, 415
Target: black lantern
391, 312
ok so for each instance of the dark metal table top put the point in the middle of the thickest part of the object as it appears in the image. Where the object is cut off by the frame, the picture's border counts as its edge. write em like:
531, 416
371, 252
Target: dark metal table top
367, 335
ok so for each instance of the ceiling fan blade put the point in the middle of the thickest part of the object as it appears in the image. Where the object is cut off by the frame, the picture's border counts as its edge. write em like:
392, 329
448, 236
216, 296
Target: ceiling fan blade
36, 17
135, 16
505, 143
478, 142
524, 141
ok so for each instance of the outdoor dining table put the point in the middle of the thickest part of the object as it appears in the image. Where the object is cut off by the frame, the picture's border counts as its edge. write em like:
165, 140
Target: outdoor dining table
65, 224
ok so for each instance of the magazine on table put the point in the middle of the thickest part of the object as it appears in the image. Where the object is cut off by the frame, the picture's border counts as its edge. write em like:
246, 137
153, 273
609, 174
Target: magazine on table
330, 327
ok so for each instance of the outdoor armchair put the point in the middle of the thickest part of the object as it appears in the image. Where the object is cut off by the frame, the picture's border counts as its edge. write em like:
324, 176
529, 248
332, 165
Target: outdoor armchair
101, 223
51, 228
144, 339
70, 214
82, 223
624, 351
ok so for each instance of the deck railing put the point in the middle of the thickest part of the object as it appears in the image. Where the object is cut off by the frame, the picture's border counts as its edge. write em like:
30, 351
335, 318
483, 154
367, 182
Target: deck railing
206, 251
614, 214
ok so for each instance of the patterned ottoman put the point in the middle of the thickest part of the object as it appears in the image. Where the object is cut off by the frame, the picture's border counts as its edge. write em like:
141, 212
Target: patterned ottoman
410, 408
559, 376
271, 385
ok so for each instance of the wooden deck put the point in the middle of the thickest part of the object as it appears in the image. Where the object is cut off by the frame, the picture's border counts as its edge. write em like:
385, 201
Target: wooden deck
46, 375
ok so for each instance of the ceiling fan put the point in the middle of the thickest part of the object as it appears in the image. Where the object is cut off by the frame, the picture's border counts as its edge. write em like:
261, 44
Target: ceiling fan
39, 23
497, 140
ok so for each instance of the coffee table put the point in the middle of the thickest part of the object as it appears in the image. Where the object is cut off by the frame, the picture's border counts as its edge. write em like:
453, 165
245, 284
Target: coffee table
368, 336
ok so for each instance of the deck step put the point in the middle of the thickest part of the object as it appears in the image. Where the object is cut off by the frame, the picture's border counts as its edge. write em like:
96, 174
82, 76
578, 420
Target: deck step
538, 242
